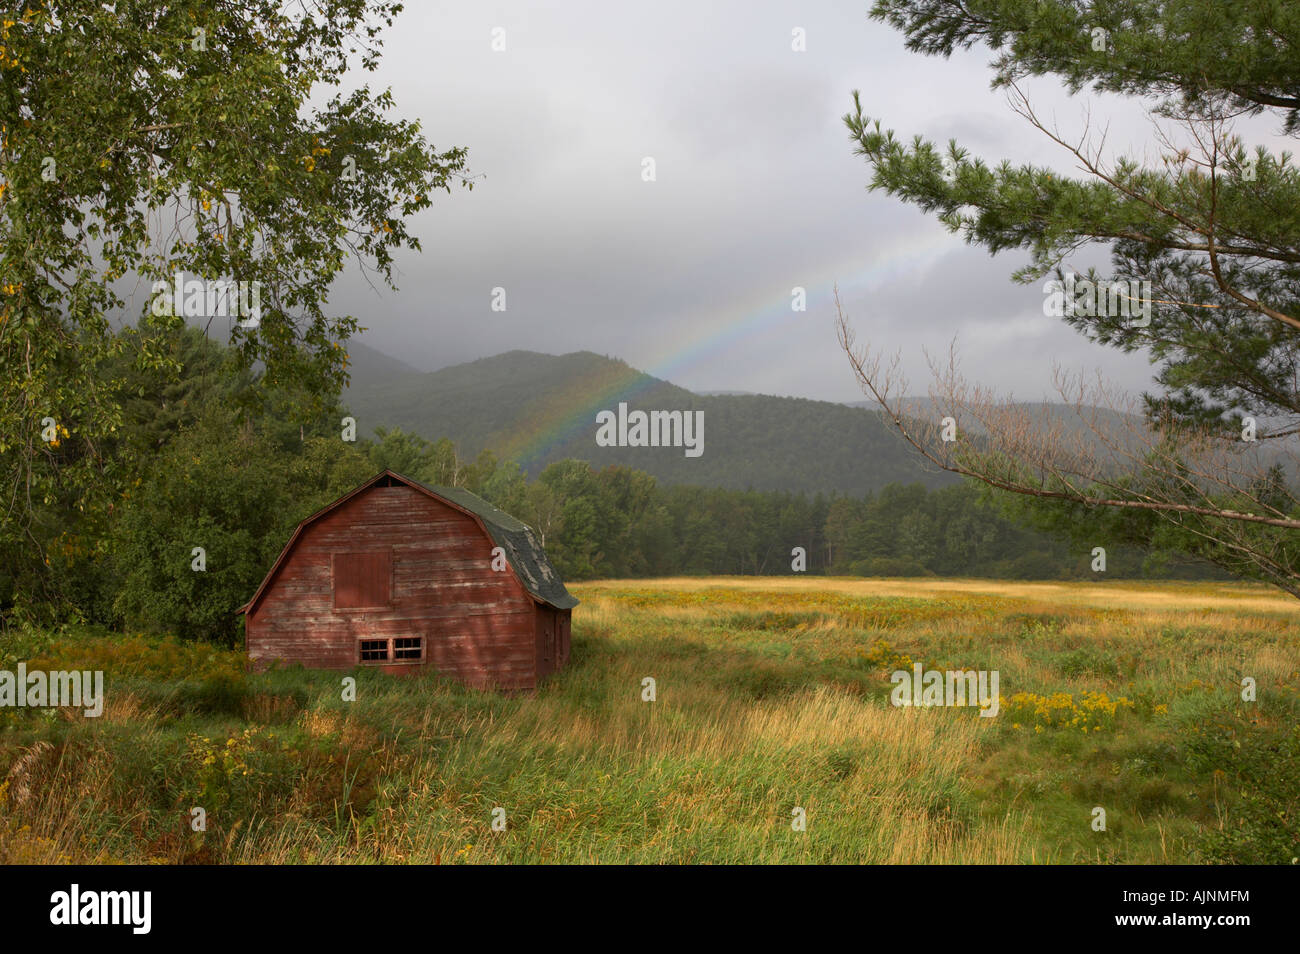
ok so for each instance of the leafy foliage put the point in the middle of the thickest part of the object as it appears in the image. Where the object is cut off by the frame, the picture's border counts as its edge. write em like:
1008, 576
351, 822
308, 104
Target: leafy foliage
145, 141
233, 492
1213, 225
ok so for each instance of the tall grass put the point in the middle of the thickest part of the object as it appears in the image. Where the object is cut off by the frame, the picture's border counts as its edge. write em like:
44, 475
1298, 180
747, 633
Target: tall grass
772, 696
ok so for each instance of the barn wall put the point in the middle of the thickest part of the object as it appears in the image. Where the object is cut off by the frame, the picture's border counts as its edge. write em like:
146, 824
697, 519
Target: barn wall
564, 618
552, 639
478, 625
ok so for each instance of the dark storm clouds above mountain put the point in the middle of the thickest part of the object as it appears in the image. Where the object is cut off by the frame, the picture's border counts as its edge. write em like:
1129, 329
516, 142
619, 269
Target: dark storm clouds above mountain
689, 277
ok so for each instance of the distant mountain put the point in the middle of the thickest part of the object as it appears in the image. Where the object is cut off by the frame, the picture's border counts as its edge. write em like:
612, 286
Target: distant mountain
1114, 437
368, 365
538, 408
1114, 425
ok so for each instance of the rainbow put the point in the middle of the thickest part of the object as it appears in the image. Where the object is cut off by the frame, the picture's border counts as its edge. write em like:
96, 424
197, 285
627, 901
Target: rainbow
565, 414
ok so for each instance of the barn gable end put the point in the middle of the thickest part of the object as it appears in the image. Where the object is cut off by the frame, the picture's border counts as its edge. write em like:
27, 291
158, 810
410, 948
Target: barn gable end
398, 575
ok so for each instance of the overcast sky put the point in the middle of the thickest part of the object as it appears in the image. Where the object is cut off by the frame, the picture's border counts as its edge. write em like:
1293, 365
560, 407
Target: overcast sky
689, 277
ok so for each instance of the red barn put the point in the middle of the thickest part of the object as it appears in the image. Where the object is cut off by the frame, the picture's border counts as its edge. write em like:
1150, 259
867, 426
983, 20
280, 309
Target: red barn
405, 577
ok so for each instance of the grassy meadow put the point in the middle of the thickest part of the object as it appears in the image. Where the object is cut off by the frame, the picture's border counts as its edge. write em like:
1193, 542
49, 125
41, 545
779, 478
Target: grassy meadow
771, 694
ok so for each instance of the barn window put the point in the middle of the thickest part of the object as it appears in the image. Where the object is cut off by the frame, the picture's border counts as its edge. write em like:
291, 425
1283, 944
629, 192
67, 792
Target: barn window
374, 650
363, 580
396, 648
408, 647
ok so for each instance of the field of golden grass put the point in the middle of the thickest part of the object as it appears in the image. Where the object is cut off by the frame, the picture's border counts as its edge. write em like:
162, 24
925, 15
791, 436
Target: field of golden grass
771, 737
1190, 597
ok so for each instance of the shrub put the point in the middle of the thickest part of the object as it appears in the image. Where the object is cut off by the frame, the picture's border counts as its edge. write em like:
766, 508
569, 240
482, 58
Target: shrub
1087, 661
1260, 790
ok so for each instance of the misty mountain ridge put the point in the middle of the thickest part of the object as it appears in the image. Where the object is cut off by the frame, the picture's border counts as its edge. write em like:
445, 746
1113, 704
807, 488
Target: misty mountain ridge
538, 408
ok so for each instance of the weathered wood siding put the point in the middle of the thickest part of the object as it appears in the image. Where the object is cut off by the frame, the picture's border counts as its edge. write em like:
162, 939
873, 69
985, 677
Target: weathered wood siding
552, 640
479, 625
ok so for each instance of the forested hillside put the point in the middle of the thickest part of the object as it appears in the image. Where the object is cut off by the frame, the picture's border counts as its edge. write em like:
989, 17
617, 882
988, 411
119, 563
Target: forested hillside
539, 409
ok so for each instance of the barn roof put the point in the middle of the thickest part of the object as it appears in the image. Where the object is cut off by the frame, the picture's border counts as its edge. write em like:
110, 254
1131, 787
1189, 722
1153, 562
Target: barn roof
523, 550
521, 546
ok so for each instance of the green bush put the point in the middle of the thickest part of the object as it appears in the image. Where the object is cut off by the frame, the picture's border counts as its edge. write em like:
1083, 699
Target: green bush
1087, 661
236, 494
1260, 790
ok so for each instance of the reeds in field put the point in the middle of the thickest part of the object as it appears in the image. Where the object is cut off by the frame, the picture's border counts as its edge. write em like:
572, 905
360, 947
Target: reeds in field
770, 739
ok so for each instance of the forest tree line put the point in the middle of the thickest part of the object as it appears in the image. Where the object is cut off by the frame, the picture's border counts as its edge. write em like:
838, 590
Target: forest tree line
196, 478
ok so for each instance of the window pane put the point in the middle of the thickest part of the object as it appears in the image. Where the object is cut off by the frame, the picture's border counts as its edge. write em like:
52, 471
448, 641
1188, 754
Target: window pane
407, 647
